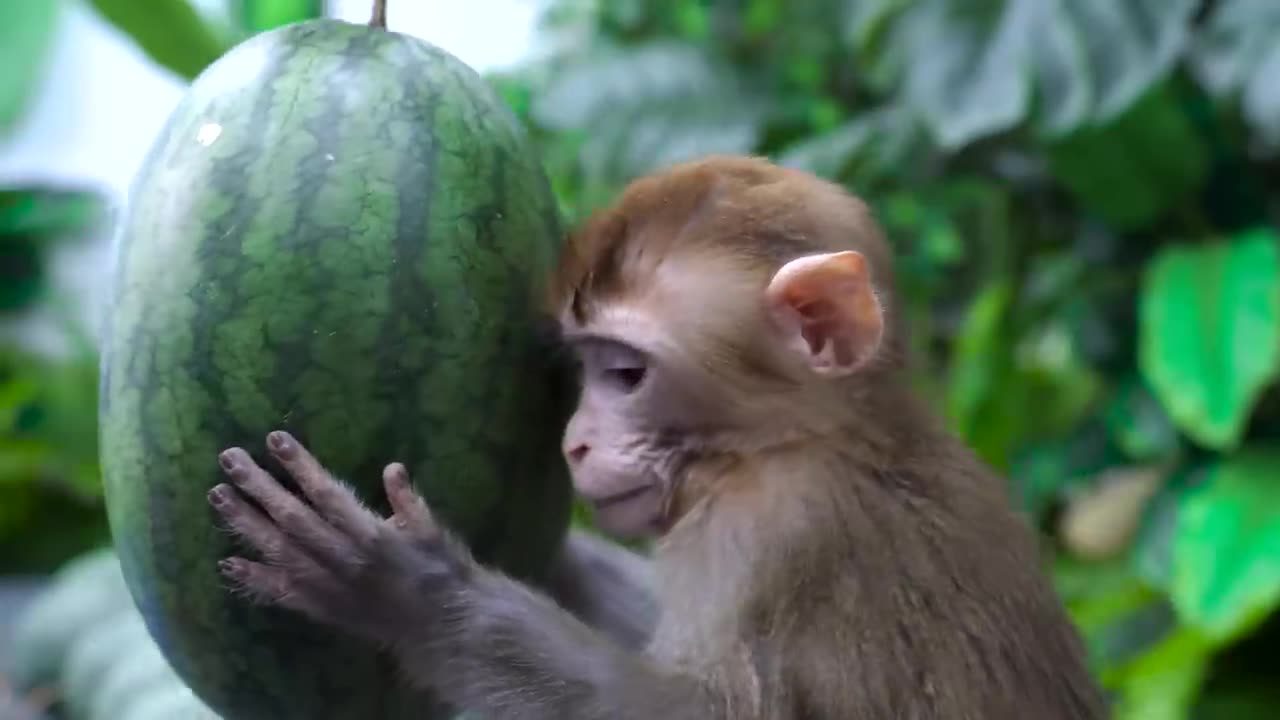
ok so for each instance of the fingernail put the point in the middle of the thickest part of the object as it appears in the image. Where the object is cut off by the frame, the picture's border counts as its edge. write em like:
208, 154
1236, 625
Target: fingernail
227, 459
216, 497
280, 443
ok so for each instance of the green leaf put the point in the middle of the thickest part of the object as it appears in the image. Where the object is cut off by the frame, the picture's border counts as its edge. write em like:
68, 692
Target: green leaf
1118, 616
1123, 171
48, 212
23, 460
1005, 390
968, 78
981, 356
1086, 582
22, 272
1127, 47
827, 154
17, 393
170, 32
1237, 52
1209, 332
1152, 554
30, 220
879, 139
1165, 682
1226, 574
973, 66
26, 28
1138, 423
867, 21
648, 107
1042, 472
253, 16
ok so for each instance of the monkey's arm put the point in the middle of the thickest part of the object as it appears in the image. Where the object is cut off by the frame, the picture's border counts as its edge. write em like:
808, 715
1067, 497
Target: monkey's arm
509, 652
606, 586
478, 639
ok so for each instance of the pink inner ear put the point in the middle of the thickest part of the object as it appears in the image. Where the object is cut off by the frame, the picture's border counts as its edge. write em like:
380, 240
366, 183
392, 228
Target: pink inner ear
816, 322
832, 307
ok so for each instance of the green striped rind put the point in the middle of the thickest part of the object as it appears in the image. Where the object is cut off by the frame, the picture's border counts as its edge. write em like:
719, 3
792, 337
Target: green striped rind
339, 232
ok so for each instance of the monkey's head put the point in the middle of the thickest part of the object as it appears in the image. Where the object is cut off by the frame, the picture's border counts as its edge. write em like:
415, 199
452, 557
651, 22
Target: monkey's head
707, 308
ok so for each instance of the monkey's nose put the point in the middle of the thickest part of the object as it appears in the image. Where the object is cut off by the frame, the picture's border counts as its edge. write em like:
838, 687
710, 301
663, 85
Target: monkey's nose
577, 454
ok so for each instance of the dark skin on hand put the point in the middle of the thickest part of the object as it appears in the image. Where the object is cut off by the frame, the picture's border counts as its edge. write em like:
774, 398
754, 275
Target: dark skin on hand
317, 552
824, 548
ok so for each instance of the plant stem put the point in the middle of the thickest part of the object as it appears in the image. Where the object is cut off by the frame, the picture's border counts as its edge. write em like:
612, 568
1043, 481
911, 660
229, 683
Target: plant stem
379, 18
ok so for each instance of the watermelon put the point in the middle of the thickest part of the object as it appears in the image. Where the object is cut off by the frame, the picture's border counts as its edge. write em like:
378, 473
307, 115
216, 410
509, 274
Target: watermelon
340, 231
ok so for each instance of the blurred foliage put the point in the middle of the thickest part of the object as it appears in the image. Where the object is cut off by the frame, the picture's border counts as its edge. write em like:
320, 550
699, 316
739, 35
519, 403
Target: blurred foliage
25, 31
171, 32
252, 16
49, 486
1083, 198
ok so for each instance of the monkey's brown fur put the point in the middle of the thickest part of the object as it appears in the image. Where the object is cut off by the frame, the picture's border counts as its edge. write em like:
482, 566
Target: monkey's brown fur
882, 572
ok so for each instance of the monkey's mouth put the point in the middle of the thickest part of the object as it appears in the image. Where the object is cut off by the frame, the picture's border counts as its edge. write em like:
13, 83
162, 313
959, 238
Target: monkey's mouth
621, 497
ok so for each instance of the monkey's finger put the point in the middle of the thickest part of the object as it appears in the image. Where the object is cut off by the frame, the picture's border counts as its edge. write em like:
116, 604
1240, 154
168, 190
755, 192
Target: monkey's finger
267, 585
334, 500
289, 512
411, 512
248, 523
258, 483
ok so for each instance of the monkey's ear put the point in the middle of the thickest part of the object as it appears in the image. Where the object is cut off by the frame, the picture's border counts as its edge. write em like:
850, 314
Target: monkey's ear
826, 308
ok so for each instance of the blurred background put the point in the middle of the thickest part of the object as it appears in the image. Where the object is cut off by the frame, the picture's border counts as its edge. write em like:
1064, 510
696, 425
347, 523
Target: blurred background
1083, 196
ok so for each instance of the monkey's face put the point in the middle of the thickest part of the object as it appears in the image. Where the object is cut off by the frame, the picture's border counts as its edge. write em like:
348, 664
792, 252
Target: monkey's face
620, 450
694, 371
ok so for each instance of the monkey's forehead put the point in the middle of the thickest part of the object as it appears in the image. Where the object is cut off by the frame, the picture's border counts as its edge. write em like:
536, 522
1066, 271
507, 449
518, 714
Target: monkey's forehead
673, 303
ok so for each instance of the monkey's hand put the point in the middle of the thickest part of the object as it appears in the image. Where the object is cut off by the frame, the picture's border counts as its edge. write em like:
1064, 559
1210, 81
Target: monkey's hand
331, 558
479, 639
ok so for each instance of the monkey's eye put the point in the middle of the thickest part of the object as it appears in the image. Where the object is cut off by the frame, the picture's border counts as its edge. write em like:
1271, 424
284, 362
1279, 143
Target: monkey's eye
621, 367
626, 379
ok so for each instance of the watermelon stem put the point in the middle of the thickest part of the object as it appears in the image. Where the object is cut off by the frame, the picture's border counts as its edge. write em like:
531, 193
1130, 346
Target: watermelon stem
379, 18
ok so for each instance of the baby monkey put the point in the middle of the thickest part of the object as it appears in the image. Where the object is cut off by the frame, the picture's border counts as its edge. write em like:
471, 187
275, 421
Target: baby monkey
824, 548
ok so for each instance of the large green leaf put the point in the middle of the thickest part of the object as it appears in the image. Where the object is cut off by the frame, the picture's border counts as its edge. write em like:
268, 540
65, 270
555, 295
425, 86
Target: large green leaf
647, 107
879, 139
170, 32
1122, 170
968, 74
1238, 52
1226, 574
26, 27
1209, 333
973, 67
254, 16
826, 154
